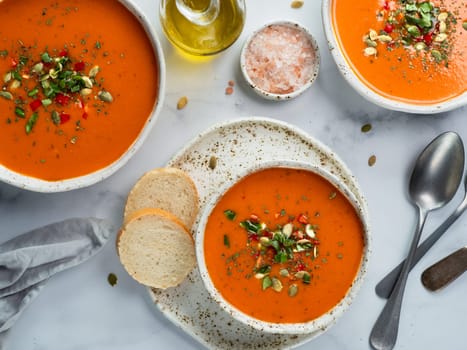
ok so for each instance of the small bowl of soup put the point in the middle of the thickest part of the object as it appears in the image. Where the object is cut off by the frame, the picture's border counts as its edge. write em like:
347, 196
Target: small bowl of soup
75, 107
284, 248
405, 56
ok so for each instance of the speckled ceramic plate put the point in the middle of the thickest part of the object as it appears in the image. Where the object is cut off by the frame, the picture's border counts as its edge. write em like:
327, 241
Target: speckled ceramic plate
236, 146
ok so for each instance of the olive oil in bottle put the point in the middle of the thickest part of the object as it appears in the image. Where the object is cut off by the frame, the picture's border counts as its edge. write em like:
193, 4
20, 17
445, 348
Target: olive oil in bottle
202, 27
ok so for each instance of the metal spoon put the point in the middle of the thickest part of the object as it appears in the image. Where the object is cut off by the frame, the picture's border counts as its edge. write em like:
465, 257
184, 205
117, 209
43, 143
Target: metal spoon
386, 285
445, 271
434, 181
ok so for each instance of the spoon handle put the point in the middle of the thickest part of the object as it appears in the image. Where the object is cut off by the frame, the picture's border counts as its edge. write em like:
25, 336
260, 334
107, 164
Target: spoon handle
446, 270
384, 333
386, 285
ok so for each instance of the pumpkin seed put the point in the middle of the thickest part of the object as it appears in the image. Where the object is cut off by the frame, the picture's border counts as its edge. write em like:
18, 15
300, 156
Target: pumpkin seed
293, 290
85, 92
442, 26
212, 162
93, 71
284, 272
370, 51
87, 82
373, 34
287, 229
7, 77
38, 67
264, 241
6, 95
442, 16
260, 276
441, 37
370, 43
182, 102
301, 274
413, 30
15, 84
267, 282
420, 46
105, 96
309, 231
436, 55
384, 38
296, 4
464, 25
276, 284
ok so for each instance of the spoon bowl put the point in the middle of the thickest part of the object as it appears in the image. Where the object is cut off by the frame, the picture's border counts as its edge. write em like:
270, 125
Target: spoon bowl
435, 178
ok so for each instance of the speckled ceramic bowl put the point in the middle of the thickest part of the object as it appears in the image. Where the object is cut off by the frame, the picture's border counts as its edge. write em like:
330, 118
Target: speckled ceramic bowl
372, 96
316, 325
39, 185
314, 65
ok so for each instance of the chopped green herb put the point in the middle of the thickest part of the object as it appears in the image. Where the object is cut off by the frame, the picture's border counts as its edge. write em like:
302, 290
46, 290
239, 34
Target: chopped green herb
230, 214
46, 58
264, 269
306, 278
97, 45
20, 112
3, 53
226, 241
31, 122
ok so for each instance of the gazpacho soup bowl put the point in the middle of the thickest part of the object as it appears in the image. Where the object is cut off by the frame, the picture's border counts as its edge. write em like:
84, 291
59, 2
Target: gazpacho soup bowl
402, 55
284, 247
75, 107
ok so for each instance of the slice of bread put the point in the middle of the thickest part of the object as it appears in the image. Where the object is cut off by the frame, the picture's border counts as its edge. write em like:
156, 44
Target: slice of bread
156, 249
170, 189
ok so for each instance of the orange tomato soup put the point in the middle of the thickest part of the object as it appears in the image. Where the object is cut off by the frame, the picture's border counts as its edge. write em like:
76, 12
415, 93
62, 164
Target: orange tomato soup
283, 245
414, 55
60, 118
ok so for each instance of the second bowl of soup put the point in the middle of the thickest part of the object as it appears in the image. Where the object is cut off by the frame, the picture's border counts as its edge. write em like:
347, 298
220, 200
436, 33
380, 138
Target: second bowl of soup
284, 249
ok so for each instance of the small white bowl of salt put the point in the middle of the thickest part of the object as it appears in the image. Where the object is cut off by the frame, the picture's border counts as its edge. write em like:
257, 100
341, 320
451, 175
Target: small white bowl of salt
280, 60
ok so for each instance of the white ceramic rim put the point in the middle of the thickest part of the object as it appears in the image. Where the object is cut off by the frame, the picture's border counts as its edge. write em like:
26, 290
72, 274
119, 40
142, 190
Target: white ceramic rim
321, 323
280, 97
365, 91
38, 185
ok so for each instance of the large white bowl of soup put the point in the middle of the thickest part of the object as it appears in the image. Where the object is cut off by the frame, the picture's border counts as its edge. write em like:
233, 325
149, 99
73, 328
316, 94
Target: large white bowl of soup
407, 56
82, 84
284, 248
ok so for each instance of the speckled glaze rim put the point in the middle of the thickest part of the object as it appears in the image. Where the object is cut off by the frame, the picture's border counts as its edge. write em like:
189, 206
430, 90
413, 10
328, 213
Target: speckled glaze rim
319, 324
366, 92
293, 94
38, 185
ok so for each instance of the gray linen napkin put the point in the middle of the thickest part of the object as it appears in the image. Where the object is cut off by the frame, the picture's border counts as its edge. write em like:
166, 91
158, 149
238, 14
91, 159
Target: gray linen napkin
27, 261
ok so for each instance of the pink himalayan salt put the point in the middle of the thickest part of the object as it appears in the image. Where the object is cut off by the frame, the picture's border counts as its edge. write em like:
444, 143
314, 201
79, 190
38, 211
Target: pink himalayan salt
280, 59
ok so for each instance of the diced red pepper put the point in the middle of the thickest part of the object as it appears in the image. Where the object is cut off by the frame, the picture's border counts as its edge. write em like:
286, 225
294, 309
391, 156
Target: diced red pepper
428, 38
13, 62
64, 117
388, 28
315, 242
386, 5
303, 219
35, 104
268, 234
79, 66
62, 99
85, 115
63, 53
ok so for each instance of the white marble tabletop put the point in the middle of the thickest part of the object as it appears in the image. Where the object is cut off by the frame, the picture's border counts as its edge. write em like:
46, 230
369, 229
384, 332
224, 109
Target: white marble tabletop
79, 309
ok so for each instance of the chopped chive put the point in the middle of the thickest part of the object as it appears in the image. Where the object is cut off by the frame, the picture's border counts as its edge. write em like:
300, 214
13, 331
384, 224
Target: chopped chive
20, 112
226, 241
55, 118
31, 122
6, 95
97, 45
46, 102
33, 92
230, 214
46, 58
